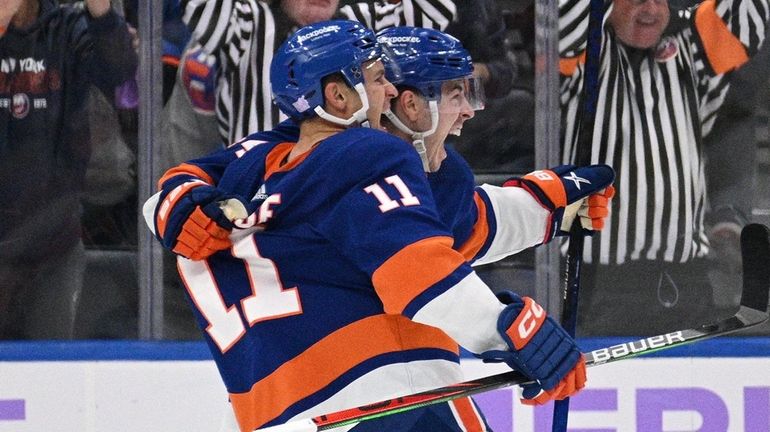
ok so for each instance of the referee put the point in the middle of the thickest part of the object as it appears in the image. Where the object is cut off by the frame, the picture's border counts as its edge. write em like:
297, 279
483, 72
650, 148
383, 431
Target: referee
663, 77
243, 34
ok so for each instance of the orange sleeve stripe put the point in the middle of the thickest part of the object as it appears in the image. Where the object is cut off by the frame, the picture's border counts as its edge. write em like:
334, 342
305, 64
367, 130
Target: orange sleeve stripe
170, 201
568, 65
480, 232
469, 418
328, 359
405, 275
724, 50
186, 169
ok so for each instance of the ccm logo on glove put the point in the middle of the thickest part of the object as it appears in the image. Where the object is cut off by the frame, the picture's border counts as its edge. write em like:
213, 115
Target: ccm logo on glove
527, 323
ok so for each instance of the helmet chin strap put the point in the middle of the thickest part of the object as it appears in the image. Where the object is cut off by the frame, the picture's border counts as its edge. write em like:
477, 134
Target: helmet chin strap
358, 117
418, 138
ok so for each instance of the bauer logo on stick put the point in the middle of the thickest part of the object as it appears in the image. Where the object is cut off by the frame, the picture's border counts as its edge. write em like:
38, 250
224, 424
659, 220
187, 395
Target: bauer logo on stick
624, 349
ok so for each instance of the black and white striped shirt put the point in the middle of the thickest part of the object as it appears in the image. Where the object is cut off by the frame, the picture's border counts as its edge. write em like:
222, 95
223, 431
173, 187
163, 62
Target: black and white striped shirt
244, 34
651, 118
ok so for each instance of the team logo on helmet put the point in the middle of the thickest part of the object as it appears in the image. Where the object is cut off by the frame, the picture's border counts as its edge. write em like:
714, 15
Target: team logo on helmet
301, 104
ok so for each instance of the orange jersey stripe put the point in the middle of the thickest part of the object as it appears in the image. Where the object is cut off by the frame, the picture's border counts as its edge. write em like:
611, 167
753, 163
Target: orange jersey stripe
405, 275
328, 359
469, 419
724, 51
567, 65
185, 169
480, 232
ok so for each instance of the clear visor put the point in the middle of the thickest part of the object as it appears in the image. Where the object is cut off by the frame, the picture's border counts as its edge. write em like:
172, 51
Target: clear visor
461, 95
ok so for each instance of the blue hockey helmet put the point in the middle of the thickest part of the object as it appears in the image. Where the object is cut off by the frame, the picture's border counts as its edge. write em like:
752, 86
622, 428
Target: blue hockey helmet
427, 58
313, 53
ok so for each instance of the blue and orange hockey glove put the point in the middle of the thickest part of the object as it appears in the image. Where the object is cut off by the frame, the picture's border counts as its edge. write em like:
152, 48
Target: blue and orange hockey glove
539, 348
194, 219
567, 192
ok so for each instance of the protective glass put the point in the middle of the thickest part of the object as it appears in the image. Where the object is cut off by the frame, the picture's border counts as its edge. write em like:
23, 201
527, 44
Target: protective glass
461, 95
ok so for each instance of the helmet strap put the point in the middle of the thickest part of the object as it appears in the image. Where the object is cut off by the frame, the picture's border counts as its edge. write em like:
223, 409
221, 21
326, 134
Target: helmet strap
358, 117
418, 138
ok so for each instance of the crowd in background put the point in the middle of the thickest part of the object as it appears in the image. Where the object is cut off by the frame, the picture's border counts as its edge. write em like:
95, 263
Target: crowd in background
74, 192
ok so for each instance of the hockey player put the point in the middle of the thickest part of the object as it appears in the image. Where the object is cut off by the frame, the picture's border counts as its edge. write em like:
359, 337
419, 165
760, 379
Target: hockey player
468, 212
437, 94
343, 288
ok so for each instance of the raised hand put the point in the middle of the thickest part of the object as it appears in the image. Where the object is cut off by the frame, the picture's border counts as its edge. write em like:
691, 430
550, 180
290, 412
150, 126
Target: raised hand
568, 192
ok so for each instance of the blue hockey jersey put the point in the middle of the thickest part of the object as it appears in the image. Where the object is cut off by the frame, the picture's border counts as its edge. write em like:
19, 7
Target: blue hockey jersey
342, 288
349, 223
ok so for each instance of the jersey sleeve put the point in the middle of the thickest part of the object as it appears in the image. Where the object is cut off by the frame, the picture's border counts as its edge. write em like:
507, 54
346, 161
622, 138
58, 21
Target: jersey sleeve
208, 170
95, 42
516, 221
731, 31
226, 25
488, 223
211, 167
388, 226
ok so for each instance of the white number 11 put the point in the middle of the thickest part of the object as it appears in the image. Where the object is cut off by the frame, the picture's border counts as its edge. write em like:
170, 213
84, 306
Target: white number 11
269, 299
386, 203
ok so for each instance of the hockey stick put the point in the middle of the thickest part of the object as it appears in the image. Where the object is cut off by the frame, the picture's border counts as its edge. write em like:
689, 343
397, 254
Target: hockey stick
755, 246
574, 264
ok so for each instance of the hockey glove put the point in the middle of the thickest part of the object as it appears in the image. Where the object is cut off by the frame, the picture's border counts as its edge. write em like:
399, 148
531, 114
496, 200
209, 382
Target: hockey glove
568, 191
539, 348
196, 221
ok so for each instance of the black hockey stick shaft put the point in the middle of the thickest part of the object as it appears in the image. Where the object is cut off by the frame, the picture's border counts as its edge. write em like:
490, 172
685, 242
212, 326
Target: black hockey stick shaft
745, 318
574, 263
755, 246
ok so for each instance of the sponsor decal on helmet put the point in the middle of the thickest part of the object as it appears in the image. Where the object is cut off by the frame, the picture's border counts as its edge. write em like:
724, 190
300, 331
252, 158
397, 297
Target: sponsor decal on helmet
398, 39
315, 33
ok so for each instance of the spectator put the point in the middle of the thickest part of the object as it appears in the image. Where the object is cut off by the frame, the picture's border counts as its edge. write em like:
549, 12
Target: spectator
664, 75
243, 34
49, 56
175, 37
